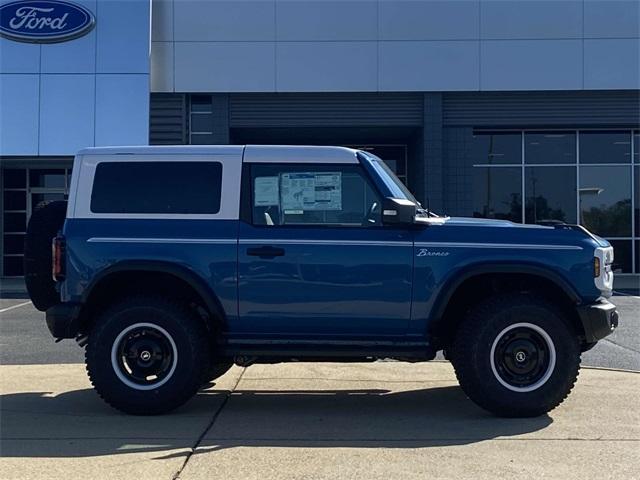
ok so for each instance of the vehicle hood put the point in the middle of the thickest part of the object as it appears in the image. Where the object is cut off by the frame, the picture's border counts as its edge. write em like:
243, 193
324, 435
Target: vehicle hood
487, 230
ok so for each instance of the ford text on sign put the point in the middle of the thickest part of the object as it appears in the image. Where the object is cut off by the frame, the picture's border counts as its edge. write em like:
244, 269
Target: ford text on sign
44, 21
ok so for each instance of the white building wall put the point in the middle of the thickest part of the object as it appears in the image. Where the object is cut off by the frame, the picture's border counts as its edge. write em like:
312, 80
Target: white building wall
90, 91
394, 45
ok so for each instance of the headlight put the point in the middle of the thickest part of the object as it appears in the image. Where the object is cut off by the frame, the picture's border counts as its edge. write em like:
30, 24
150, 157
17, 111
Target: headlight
603, 276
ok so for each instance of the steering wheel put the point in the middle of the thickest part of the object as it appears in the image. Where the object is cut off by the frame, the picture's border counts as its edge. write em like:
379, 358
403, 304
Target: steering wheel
368, 219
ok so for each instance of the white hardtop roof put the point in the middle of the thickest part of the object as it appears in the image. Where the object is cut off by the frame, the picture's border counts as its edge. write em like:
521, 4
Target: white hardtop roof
164, 150
252, 153
298, 154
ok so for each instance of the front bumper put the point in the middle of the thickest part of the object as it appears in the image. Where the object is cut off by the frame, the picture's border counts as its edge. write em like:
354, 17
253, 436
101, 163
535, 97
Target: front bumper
598, 320
63, 320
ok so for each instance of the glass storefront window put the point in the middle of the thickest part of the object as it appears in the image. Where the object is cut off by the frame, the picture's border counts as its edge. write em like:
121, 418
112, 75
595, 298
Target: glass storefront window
550, 194
15, 200
47, 178
493, 148
497, 193
558, 185
14, 178
12, 266
605, 200
549, 147
636, 209
622, 256
37, 198
15, 222
201, 120
605, 147
23, 189
201, 103
13, 243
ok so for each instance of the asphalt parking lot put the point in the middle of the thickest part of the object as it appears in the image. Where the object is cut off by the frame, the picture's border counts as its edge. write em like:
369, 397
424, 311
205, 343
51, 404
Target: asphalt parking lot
24, 338
384, 420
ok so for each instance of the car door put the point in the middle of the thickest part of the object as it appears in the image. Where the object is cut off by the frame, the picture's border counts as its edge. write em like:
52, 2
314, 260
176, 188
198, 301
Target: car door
314, 257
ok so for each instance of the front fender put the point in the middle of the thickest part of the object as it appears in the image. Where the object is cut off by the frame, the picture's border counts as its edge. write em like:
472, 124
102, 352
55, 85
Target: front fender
434, 286
458, 277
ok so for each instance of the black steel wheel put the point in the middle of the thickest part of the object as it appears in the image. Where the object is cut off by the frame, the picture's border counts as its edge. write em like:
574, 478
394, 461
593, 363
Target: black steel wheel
523, 357
144, 356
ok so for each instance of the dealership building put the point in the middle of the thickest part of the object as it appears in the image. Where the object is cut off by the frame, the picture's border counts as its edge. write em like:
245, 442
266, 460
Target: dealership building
520, 110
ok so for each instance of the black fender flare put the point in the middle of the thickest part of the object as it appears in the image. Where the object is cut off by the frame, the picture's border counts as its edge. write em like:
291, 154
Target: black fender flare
188, 276
458, 277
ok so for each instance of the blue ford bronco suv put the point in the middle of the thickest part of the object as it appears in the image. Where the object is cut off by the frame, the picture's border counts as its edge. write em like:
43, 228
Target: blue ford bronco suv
171, 264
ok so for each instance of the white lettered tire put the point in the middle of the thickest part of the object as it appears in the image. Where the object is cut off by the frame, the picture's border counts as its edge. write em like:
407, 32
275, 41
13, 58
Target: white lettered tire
516, 355
147, 355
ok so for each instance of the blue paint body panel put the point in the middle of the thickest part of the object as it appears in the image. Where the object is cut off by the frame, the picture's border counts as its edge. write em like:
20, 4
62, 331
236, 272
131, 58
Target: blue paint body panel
354, 282
330, 281
95, 245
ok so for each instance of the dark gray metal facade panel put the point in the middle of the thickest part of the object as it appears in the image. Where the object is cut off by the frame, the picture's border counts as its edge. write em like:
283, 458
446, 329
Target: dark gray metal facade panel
542, 109
325, 109
168, 119
457, 172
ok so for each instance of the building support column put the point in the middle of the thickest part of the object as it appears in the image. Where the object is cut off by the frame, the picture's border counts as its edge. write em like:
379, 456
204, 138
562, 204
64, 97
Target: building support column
220, 109
433, 152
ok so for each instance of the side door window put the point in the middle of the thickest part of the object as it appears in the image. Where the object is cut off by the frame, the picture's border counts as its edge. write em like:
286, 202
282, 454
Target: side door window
327, 195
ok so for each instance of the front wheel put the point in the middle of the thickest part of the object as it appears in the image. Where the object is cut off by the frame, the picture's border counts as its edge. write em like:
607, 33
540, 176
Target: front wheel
147, 355
516, 355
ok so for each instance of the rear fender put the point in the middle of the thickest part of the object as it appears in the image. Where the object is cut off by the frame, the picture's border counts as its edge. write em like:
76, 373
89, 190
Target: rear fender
191, 278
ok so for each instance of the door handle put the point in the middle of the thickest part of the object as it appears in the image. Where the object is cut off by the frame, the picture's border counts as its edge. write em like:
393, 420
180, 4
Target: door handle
265, 252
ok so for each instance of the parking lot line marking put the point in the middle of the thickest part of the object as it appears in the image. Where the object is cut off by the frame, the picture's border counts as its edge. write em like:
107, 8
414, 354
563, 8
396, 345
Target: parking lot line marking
15, 306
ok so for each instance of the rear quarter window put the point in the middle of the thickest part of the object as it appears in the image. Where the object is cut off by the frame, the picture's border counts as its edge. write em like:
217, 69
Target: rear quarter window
157, 188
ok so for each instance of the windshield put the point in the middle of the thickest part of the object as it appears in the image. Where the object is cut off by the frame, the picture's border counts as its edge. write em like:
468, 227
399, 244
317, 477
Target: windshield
393, 183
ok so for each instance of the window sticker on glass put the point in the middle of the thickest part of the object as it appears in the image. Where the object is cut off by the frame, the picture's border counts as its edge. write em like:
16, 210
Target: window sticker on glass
311, 191
266, 192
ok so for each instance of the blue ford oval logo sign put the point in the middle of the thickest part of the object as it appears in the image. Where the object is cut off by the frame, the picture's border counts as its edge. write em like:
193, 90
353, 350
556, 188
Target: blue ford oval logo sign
44, 21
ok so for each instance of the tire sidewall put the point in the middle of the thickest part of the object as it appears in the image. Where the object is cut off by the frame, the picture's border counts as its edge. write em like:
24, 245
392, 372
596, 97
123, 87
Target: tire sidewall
113, 389
489, 392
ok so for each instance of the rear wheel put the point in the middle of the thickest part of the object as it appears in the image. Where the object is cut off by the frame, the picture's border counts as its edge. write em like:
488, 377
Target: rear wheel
516, 355
147, 355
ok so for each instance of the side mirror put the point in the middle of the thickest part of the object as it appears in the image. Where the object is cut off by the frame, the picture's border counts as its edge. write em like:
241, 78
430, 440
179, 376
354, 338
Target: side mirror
396, 211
